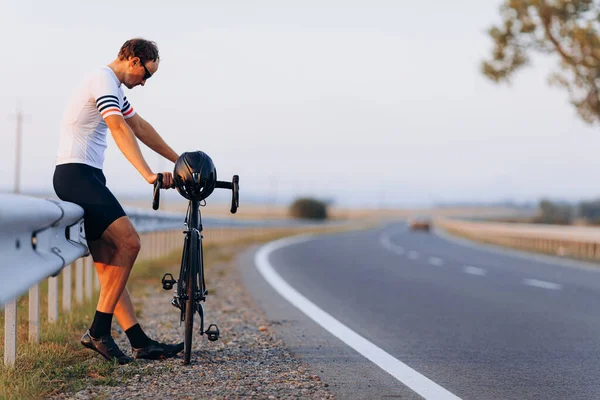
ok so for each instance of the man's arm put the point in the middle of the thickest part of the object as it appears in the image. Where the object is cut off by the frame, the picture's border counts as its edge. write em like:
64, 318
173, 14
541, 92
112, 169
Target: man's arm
125, 140
148, 135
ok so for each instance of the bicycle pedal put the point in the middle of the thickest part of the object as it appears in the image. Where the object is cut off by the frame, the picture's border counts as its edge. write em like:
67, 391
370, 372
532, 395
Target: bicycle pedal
212, 332
167, 284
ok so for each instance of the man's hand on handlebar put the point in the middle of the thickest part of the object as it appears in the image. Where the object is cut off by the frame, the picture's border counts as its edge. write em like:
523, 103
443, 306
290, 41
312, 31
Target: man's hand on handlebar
167, 180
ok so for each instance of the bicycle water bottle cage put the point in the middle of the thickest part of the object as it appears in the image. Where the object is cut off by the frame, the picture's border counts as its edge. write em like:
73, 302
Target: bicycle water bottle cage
212, 332
168, 283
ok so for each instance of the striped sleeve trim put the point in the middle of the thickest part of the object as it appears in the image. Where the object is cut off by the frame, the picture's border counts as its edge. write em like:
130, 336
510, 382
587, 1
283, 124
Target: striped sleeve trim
108, 105
126, 107
127, 110
111, 111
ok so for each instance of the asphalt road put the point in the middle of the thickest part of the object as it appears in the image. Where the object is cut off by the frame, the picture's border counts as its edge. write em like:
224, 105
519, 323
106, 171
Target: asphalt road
479, 324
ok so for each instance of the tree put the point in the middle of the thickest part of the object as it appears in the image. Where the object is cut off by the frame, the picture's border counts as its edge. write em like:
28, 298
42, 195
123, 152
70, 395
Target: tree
308, 208
590, 210
554, 213
567, 28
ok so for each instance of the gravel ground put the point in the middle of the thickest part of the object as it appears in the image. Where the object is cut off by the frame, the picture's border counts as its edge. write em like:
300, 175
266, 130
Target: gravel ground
249, 360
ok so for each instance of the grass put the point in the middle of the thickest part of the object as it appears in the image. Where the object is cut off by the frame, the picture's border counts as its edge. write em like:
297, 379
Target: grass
59, 364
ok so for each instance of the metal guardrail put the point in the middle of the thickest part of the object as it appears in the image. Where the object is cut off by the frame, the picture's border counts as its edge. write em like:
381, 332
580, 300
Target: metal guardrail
579, 242
154, 221
39, 238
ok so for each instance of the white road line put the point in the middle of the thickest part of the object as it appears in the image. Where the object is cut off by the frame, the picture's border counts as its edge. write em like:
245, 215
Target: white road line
413, 255
469, 269
402, 372
542, 284
387, 243
436, 261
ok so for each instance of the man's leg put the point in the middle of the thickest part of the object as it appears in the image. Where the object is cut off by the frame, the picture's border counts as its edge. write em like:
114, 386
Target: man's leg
123, 238
124, 311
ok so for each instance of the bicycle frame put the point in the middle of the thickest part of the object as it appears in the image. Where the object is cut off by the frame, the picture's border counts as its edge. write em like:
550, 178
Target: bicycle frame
191, 287
193, 221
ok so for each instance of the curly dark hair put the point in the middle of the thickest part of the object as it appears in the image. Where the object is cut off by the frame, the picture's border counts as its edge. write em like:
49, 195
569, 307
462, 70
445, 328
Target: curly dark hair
146, 50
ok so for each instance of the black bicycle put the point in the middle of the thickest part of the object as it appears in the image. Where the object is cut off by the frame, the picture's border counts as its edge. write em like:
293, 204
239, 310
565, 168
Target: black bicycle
191, 288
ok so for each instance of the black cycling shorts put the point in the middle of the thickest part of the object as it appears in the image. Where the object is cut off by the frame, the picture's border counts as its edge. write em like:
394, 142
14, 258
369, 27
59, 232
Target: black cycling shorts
86, 186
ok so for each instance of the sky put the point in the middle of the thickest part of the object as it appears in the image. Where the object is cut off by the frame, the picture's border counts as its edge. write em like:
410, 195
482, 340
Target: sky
367, 103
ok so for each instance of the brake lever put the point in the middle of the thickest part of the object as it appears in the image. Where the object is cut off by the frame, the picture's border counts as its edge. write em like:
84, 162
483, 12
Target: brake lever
235, 194
157, 186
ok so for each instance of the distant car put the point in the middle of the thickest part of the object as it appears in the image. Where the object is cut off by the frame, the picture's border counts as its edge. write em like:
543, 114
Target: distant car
419, 224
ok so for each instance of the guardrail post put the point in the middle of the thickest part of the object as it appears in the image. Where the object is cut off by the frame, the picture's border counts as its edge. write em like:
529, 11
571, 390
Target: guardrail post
52, 299
165, 244
161, 244
156, 244
79, 281
10, 333
89, 270
153, 244
143, 244
34, 314
67, 286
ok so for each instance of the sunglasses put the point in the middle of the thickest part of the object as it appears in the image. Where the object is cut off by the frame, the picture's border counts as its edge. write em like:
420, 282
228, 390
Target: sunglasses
147, 75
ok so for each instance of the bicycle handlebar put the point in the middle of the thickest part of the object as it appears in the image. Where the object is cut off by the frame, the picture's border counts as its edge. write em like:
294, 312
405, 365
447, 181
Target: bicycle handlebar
234, 186
223, 185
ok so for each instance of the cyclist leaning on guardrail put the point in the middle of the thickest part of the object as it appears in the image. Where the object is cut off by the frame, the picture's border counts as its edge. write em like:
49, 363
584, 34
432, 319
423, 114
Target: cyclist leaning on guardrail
97, 105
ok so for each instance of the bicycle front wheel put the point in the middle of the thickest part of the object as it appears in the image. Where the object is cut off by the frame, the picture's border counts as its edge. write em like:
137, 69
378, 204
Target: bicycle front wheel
191, 288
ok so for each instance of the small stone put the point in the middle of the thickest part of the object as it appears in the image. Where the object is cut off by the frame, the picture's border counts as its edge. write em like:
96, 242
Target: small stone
263, 328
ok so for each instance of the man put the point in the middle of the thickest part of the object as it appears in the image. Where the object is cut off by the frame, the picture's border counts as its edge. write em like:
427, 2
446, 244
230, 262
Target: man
96, 106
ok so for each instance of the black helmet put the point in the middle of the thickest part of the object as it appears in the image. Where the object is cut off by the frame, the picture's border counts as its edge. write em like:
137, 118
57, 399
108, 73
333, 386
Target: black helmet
195, 175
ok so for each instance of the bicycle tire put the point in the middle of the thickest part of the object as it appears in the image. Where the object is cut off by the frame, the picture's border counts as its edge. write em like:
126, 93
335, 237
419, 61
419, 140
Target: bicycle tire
190, 306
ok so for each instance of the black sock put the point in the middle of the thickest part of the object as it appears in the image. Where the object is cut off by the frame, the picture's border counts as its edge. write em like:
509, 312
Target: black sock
137, 337
101, 325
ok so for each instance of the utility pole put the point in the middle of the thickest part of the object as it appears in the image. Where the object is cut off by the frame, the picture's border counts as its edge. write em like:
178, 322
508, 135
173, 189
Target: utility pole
18, 149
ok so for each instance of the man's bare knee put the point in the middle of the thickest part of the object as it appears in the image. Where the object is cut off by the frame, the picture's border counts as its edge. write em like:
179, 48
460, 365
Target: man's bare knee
123, 237
130, 244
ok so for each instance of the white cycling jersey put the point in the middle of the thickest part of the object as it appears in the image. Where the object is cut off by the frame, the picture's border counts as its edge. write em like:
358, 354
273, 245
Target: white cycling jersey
82, 129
